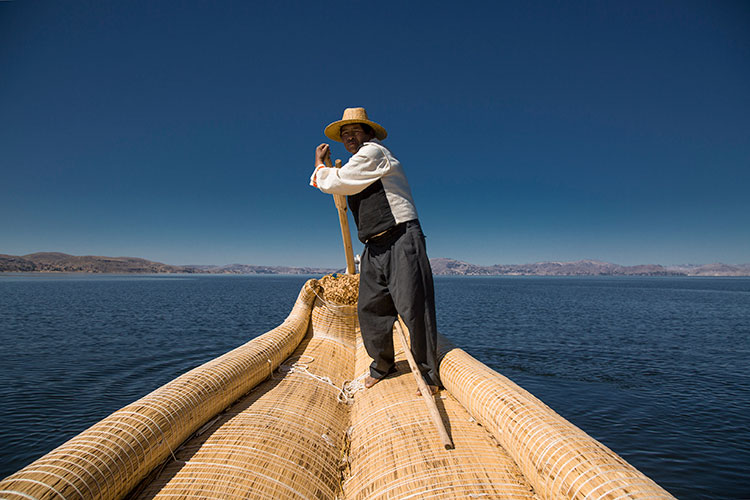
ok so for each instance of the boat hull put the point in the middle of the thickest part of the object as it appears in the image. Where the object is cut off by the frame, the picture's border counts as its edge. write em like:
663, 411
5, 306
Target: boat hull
285, 416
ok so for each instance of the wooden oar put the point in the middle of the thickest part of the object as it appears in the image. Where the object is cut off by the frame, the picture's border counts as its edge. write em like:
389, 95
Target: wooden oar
423, 388
340, 201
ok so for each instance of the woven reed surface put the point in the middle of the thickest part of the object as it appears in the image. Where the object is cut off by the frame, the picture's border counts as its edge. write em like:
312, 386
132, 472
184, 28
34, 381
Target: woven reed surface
286, 438
107, 460
292, 437
395, 451
557, 458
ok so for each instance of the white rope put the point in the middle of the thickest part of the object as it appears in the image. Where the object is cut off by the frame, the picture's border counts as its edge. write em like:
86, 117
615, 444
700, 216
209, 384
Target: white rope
246, 470
52, 456
318, 335
598, 471
270, 455
23, 479
632, 494
85, 483
345, 393
629, 481
352, 387
37, 471
19, 494
82, 447
104, 437
327, 439
163, 436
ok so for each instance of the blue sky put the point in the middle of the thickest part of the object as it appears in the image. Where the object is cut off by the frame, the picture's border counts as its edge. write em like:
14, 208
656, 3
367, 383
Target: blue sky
184, 132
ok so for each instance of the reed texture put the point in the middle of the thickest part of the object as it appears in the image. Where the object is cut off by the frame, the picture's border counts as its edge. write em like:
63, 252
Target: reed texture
285, 439
395, 452
107, 460
285, 416
558, 459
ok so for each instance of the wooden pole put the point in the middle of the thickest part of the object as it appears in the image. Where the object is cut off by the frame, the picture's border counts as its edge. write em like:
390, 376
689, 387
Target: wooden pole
423, 389
346, 235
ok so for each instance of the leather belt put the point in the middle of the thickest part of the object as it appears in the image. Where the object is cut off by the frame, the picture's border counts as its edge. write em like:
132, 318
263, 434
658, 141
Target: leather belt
383, 234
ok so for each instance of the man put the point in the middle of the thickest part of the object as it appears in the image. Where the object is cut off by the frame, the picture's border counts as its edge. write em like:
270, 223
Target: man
395, 273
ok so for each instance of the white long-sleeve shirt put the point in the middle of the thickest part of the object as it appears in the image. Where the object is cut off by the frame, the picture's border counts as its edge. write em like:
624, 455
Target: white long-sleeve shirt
376, 185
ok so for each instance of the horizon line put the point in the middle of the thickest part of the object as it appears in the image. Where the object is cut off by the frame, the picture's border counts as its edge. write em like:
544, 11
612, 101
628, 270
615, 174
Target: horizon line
431, 258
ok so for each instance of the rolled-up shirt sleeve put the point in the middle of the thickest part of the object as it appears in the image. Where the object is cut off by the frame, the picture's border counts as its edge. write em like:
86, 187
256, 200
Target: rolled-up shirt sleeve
367, 166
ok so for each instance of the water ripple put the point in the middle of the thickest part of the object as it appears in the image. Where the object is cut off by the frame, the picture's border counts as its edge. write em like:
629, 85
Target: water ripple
655, 368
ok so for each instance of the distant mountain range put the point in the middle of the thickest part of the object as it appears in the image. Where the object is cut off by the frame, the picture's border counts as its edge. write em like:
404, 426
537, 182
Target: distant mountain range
61, 262
585, 268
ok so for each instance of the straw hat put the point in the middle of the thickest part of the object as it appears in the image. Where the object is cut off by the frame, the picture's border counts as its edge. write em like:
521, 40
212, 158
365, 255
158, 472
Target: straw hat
353, 115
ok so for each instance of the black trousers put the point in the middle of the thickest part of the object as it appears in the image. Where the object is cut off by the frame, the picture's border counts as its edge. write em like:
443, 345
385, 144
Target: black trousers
396, 278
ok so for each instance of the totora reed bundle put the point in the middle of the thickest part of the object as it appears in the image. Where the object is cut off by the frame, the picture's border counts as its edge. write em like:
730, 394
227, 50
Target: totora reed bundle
286, 416
340, 288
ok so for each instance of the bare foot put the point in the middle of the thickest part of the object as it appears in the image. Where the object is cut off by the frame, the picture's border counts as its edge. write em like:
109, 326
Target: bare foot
433, 390
370, 381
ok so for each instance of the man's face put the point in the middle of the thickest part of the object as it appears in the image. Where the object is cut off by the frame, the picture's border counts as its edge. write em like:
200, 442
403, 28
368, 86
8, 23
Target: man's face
353, 136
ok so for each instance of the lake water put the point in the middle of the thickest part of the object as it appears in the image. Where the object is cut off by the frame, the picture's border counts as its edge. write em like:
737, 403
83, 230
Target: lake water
655, 368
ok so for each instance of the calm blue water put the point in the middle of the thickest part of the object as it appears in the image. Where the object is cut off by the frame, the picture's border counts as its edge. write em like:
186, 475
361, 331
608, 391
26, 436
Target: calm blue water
655, 368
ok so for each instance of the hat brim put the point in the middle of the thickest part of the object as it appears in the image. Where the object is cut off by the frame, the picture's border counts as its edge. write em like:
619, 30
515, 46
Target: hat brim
333, 131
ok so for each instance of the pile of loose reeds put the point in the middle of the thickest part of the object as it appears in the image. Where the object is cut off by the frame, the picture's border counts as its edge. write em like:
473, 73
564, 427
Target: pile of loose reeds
340, 288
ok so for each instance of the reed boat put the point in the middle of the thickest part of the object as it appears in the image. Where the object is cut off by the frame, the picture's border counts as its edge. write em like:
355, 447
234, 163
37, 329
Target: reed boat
285, 416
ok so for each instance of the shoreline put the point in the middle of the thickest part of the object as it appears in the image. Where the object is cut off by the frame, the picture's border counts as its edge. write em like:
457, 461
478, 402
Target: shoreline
302, 274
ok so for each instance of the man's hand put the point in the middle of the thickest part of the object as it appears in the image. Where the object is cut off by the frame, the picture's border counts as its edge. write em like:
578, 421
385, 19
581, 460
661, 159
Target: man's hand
321, 153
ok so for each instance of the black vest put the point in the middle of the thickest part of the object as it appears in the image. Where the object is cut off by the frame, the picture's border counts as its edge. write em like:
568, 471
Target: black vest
371, 211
